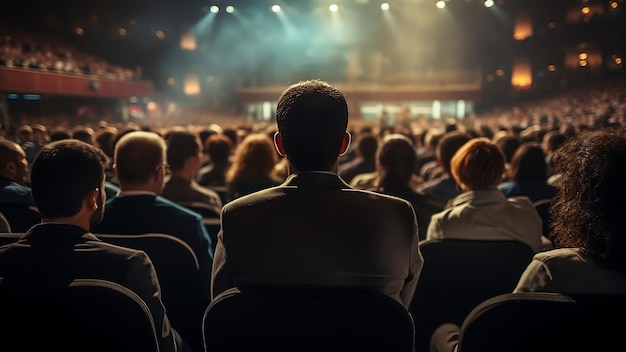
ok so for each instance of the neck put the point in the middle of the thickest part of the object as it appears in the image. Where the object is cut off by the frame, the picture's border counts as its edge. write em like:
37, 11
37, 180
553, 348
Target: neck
154, 188
182, 174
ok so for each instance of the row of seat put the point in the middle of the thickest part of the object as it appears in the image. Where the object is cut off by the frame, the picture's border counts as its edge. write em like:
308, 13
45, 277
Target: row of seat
457, 277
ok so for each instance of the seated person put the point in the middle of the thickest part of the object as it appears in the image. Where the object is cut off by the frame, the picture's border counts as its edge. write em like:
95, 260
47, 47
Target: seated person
62, 249
184, 155
140, 165
314, 230
481, 211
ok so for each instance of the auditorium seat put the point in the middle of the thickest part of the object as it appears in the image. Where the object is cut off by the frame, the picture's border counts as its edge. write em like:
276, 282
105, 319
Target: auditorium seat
458, 275
210, 218
88, 315
545, 322
177, 267
9, 237
301, 319
20, 216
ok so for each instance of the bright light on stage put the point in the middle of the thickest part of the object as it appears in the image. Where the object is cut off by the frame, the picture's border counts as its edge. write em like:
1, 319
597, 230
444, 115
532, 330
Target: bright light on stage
384, 6
440, 4
276, 8
333, 8
230, 9
488, 3
214, 9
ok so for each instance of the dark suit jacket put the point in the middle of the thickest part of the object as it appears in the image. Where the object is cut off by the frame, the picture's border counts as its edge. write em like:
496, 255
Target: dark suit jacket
315, 230
54, 254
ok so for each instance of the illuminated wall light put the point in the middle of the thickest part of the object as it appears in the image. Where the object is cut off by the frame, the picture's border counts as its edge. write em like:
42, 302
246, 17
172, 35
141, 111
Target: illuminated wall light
440, 4
384, 6
585, 10
79, 31
521, 76
188, 42
489, 78
214, 9
160, 34
583, 63
500, 72
276, 8
618, 60
333, 7
230, 9
551, 68
192, 85
488, 3
583, 56
614, 4
122, 31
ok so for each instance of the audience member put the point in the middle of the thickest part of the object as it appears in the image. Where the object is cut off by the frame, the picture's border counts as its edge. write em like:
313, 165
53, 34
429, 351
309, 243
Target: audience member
140, 165
252, 168
293, 234
444, 187
184, 155
365, 160
481, 211
527, 177
13, 173
62, 249
218, 148
395, 176
551, 141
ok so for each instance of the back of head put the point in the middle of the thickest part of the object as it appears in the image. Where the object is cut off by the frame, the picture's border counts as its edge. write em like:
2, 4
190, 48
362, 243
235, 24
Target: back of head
552, 140
180, 146
138, 155
85, 134
478, 164
254, 159
529, 164
312, 119
449, 144
396, 158
62, 175
508, 144
218, 147
368, 145
589, 208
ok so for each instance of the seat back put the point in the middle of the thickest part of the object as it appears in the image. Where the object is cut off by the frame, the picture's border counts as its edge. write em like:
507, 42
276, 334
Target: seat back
458, 275
210, 218
87, 315
177, 268
294, 319
545, 322
20, 216
9, 237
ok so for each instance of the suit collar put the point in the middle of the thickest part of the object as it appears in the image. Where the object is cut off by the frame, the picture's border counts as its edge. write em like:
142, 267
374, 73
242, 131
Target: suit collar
58, 233
315, 179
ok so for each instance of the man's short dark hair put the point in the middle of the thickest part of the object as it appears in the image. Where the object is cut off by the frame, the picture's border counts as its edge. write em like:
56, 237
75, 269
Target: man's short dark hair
62, 175
312, 119
449, 144
180, 146
218, 147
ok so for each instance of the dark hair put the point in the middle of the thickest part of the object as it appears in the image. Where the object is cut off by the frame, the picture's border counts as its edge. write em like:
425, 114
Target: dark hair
529, 164
368, 145
218, 147
449, 144
312, 120
508, 144
589, 209
396, 158
63, 174
180, 146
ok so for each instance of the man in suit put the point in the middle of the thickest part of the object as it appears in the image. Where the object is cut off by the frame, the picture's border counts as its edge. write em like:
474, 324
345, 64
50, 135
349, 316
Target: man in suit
315, 230
140, 166
67, 182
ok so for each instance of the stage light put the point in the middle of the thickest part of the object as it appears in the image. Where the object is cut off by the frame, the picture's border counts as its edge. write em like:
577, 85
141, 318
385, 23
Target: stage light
230, 9
585, 10
618, 60
384, 6
551, 68
79, 31
583, 63
276, 8
440, 4
214, 9
614, 4
582, 56
160, 34
488, 3
122, 31
333, 8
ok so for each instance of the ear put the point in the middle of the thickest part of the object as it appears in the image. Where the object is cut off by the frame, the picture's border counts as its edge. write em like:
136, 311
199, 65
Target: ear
345, 143
91, 201
278, 143
11, 167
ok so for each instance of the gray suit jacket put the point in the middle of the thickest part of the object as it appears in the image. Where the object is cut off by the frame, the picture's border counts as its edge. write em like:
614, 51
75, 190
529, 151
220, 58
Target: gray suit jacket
315, 230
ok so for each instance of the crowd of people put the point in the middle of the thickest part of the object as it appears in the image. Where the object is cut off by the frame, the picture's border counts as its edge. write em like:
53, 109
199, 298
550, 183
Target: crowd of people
318, 201
35, 50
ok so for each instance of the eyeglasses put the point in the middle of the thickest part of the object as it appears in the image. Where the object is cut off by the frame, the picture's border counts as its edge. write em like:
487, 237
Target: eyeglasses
165, 166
